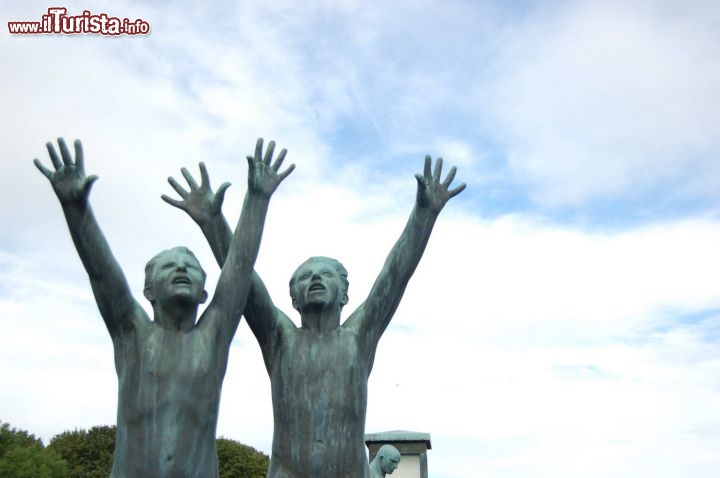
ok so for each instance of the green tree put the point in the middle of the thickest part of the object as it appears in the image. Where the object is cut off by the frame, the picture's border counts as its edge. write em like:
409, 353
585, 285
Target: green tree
89, 453
240, 461
22, 455
12, 437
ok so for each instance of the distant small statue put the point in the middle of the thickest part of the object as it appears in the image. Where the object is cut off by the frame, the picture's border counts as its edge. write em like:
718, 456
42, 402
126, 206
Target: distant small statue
319, 371
386, 461
170, 369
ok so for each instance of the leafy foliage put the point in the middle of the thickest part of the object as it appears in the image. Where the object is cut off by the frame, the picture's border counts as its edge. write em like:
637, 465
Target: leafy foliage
23, 456
240, 461
12, 437
89, 453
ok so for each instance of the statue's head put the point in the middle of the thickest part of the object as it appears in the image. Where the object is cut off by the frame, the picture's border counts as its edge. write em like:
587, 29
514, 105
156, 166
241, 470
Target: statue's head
175, 274
389, 458
319, 281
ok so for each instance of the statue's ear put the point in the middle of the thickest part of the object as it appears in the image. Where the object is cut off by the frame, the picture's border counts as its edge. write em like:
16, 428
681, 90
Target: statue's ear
344, 299
203, 297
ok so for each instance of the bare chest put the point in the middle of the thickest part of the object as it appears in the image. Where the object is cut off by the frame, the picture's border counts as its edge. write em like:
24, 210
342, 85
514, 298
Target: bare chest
161, 368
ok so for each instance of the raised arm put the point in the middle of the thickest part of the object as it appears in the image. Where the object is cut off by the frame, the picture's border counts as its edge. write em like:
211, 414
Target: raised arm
205, 208
373, 316
72, 189
239, 253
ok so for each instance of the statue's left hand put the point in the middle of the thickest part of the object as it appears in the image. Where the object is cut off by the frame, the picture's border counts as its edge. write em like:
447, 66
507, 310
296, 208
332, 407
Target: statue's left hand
433, 194
264, 178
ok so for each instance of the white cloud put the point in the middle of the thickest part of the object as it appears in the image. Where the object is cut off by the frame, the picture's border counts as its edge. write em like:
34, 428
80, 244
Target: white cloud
600, 99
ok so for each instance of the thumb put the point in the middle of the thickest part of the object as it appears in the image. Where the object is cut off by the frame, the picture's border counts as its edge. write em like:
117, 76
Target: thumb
88, 183
220, 193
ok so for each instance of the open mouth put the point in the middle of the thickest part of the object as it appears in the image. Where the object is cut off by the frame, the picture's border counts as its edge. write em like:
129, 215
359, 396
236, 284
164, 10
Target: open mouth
316, 287
181, 280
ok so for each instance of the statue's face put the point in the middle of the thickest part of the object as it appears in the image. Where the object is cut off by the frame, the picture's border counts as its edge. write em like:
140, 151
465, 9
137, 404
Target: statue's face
318, 283
390, 463
177, 276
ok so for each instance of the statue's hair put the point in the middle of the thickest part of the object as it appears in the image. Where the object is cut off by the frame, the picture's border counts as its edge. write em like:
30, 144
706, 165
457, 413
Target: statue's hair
150, 266
333, 262
387, 450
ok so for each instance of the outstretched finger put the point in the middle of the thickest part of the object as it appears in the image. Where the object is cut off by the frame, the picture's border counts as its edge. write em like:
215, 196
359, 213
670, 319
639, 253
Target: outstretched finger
450, 177
53, 156
188, 177
438, 170
287, 172
269, 152
220, 194
179, 189
80, 157
65, 152
457, 190
279, 160
204, 178
46, 172
258, 149
171, 201
426, 171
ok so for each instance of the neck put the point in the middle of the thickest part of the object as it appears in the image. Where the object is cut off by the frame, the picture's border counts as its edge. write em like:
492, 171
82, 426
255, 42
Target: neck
178, 316
320, 319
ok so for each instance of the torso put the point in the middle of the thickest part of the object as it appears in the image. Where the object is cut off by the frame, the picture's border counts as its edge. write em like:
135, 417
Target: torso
169, 393
319, 392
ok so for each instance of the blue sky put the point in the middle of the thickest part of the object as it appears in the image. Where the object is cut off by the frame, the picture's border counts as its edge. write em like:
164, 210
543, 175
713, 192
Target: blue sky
564, 319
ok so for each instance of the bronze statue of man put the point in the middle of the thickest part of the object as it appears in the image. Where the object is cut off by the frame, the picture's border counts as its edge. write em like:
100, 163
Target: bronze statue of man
170, 369
319, 371
385, 462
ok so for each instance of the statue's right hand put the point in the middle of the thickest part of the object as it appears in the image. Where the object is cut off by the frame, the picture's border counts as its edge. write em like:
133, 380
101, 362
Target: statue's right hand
200, 203
68, 180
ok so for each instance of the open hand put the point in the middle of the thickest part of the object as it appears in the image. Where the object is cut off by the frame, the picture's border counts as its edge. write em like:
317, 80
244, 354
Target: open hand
263, 177
431, 193
68, 180
200, 203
